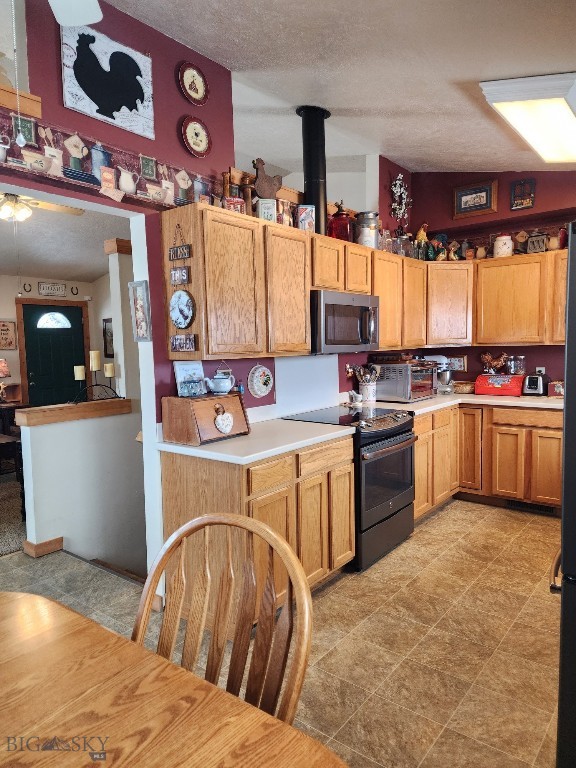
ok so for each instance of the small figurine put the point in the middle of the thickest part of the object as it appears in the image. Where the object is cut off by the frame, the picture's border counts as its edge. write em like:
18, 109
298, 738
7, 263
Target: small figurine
266, 186
421, 235
493, 364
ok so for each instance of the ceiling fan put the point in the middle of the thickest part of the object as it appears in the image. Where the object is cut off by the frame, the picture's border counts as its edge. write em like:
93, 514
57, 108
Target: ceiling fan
20, 207
76, 13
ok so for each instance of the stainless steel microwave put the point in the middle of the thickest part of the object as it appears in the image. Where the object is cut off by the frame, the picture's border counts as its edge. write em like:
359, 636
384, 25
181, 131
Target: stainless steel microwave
343, 322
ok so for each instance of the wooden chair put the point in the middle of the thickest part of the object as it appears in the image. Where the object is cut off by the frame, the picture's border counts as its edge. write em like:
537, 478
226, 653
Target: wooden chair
235, 606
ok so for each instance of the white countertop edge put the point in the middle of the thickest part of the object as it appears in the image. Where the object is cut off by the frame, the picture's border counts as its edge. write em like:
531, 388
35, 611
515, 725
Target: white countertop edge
266, 440
446, 401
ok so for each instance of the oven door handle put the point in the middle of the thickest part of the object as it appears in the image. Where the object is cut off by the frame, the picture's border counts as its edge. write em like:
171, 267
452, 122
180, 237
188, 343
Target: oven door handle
391, 449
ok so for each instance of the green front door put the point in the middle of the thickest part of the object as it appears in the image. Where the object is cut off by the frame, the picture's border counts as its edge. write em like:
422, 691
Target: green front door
54, 345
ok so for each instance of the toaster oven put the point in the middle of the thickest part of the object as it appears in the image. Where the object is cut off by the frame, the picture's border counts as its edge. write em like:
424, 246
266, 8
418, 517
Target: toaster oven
406, 382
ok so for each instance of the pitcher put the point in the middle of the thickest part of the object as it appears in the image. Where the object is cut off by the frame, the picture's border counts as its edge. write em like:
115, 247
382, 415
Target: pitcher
127, 181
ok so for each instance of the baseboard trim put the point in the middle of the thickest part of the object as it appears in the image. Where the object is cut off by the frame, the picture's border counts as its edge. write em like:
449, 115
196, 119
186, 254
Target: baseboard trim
43, 548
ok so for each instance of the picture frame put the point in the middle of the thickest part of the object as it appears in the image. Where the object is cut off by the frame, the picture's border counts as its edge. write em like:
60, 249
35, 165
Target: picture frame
189, 375
475, 200
139, 298
26, 126
108, 337
522, 194
458, 363
148, 168
8, 337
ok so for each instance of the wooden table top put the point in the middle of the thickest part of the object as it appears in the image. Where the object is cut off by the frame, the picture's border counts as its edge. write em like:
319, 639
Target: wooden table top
67, 679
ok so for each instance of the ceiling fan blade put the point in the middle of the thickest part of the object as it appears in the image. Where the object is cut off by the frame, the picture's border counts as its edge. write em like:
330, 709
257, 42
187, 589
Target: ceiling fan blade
76, 13
56, 208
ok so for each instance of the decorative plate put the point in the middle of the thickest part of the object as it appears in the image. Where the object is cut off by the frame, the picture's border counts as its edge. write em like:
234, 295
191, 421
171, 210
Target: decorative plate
196, 137
260, 381
182, 309
193, 83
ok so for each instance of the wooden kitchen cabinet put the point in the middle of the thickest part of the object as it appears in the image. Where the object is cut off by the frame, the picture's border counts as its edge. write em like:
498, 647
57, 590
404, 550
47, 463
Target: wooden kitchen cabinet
470, 428
312, 526
454, 449
288, 289
557, 293
414, 303
423, 474
508, 460
511, 300
546, 467
442, 452
358, 268
341, 516
450, 297
387, 284
328, 263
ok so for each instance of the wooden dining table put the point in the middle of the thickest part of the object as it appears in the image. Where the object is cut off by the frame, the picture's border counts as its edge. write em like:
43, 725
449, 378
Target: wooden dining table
73, 693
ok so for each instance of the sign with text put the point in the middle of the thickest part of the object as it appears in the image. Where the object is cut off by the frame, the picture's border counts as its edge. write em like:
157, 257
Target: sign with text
52, 289
179, 275
179, 252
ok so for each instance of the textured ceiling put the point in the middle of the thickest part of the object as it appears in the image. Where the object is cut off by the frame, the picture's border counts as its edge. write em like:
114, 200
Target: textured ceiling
400, 78
60, 246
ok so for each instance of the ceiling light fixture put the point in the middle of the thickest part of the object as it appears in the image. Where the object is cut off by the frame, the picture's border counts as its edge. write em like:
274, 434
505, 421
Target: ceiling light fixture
541, 109
13, 209
76, 13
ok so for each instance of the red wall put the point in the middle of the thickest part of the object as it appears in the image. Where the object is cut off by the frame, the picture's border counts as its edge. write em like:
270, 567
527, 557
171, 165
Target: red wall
170, 106
433, 195
388, 172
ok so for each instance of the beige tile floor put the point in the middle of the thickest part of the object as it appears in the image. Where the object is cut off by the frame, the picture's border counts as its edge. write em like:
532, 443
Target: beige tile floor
442, 655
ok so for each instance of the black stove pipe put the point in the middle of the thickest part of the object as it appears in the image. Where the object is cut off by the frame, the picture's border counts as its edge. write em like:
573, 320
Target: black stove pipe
314, 152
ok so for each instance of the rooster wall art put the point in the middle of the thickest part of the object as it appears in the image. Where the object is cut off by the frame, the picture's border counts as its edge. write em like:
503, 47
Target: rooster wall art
107, 80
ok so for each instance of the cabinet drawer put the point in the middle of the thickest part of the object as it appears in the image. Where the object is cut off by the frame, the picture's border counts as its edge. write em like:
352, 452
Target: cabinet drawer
423, 424
441, 418
271, 474
324, 457
528, 417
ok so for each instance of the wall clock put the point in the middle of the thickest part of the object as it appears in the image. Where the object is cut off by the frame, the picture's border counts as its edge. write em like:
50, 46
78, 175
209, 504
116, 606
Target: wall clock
182, 309
196, 137
193, 84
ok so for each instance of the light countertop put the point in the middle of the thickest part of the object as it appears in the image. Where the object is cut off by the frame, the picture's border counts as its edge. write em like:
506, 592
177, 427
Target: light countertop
266, 439
445, 401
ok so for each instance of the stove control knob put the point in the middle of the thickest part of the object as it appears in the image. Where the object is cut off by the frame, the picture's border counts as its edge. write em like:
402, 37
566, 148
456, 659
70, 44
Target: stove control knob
363, 424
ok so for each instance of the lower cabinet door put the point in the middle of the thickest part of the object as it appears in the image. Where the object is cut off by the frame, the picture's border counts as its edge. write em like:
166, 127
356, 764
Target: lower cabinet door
313, 526
442, 473
278, 511
423, 468
470, 468
546, 474
341, 517
454, 450
508, 459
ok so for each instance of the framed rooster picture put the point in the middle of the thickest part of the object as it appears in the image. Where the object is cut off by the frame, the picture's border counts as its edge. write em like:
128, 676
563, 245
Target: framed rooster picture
107, 80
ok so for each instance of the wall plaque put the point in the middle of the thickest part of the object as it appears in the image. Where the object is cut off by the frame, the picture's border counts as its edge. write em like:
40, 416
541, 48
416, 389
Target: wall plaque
183, 342
52, 289
179, 252
179, 275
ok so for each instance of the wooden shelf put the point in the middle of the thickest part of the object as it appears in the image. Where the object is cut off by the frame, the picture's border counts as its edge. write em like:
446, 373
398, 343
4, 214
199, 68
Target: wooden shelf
55, 414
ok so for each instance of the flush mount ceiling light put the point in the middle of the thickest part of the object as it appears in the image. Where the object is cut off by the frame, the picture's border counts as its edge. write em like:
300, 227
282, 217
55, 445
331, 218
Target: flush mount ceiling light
76, 13
542, 110
13, 209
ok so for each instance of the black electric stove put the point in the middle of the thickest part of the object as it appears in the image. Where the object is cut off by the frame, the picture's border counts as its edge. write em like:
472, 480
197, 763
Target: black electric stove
384, 474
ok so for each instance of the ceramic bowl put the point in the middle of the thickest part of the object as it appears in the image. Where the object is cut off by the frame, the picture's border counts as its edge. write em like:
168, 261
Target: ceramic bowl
156, 193
35, 161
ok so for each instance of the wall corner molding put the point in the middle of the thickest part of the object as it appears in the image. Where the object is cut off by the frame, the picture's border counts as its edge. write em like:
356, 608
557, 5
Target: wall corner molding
43, 547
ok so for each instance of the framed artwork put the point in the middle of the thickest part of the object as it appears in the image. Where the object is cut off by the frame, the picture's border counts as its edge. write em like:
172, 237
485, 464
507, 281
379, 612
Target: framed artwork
26, 126
107, 80
193, 83
475, 200
139, 297
458, 362
108, 336
189, 378
522, 194
148, 168
8, 334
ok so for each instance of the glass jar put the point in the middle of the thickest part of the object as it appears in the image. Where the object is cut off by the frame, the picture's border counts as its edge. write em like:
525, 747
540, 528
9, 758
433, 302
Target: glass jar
516, 365
366, 228
340, 225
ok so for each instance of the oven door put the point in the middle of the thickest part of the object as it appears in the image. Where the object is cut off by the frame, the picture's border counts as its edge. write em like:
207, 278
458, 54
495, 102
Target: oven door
386, 478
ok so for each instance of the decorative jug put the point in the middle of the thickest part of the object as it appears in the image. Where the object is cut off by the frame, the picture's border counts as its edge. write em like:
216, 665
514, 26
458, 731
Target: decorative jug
127, 181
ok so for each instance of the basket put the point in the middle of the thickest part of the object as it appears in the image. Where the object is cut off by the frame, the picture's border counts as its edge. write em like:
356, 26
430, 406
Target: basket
463, 387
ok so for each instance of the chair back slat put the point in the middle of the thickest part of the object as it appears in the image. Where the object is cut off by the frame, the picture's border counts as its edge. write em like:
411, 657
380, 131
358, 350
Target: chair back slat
199, 599
281, 641
173, 609
263, 638
221, 617
279, 655
244, 621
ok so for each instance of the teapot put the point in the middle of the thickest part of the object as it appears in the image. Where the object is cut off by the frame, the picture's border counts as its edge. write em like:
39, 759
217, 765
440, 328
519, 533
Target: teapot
221, 384
127, 181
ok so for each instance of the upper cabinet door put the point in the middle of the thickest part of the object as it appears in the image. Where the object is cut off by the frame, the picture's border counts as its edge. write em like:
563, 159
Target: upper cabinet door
387, 285
327, 263
358, 267
235, 294
414, 303
450, 303
288, 279
557, 308
511, 300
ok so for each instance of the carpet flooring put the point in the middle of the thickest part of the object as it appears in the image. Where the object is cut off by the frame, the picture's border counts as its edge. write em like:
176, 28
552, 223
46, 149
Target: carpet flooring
12, 528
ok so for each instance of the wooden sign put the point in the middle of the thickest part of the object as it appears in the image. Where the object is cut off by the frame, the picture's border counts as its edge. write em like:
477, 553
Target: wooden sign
52, 289
179, 252
183, 342
7, 334
179, 275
